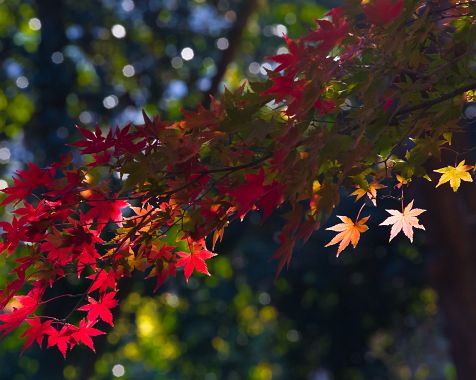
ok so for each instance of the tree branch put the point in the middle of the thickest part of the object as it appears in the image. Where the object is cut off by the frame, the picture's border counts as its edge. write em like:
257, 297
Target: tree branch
459, 91
234, 39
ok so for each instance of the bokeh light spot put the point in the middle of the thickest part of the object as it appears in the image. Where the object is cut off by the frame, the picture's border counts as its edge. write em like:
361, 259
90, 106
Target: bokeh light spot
118, 31
187, 53
128, 71
222, 43
22, 82
57, 57
110, 101
34, 23
118, 370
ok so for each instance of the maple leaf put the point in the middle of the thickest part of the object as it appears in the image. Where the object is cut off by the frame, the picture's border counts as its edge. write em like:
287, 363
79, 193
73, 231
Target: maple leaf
29, 304
253, 193
57, 251
405, 221
87, 256
104, 209
62, 338
94, 142
324, 106
287, 237
124, 141
402, 181
103, 280
329, 34
454, 175
100, 308
29, 213
285, 86
349, 232
371, 192
284, 252
27, 181
36, 331
246, 194
13, 234
272, 198
195, 259
292, 58
382, 12
85, 332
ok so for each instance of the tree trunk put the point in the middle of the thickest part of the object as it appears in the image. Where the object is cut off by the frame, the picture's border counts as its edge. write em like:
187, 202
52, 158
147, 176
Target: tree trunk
52, 85
450, 225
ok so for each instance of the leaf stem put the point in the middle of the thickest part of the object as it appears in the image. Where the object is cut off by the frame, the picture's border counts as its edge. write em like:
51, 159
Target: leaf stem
360, 210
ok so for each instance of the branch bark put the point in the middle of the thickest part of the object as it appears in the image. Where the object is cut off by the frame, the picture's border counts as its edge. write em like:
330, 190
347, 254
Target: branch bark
459, 91
234, 38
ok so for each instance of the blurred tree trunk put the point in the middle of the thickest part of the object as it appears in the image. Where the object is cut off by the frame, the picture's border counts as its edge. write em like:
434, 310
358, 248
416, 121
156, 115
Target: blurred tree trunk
52, 86
453, 266
454, 275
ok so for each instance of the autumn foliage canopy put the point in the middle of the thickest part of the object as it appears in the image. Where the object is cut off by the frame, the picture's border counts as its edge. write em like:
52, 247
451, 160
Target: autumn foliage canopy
355, 107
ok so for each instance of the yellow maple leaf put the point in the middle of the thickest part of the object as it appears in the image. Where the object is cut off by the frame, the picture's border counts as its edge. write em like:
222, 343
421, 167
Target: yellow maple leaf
349, 232
454, 175
401, 181
371, 192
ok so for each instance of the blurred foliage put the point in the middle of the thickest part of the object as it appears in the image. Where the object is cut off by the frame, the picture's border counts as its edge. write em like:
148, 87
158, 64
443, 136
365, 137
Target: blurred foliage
105, 61
368, 315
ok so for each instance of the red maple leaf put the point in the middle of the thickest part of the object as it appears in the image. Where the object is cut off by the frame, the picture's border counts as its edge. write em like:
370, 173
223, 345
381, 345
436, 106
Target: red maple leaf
67, 188
27, 181
330, 33
285, 86
104, 209
63, 339
195, 259
55, 248
85, 332
36, 331
246, 194
88, 255
103, 280
382, 12
164, 264
272, 198
291, 59
29, 304
28, 213
254, 192
287, 238
12, 235
125, 141
204, 117
12, 288
94, 142
324, 106
100, 308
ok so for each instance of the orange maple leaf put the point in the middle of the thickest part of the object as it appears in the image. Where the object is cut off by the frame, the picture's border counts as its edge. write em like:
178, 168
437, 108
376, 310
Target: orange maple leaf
405, 221
371, 192
349, 232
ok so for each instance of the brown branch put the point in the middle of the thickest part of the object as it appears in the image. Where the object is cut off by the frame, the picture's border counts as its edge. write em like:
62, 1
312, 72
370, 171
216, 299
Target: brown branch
234, 38
427, 104
430, 103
